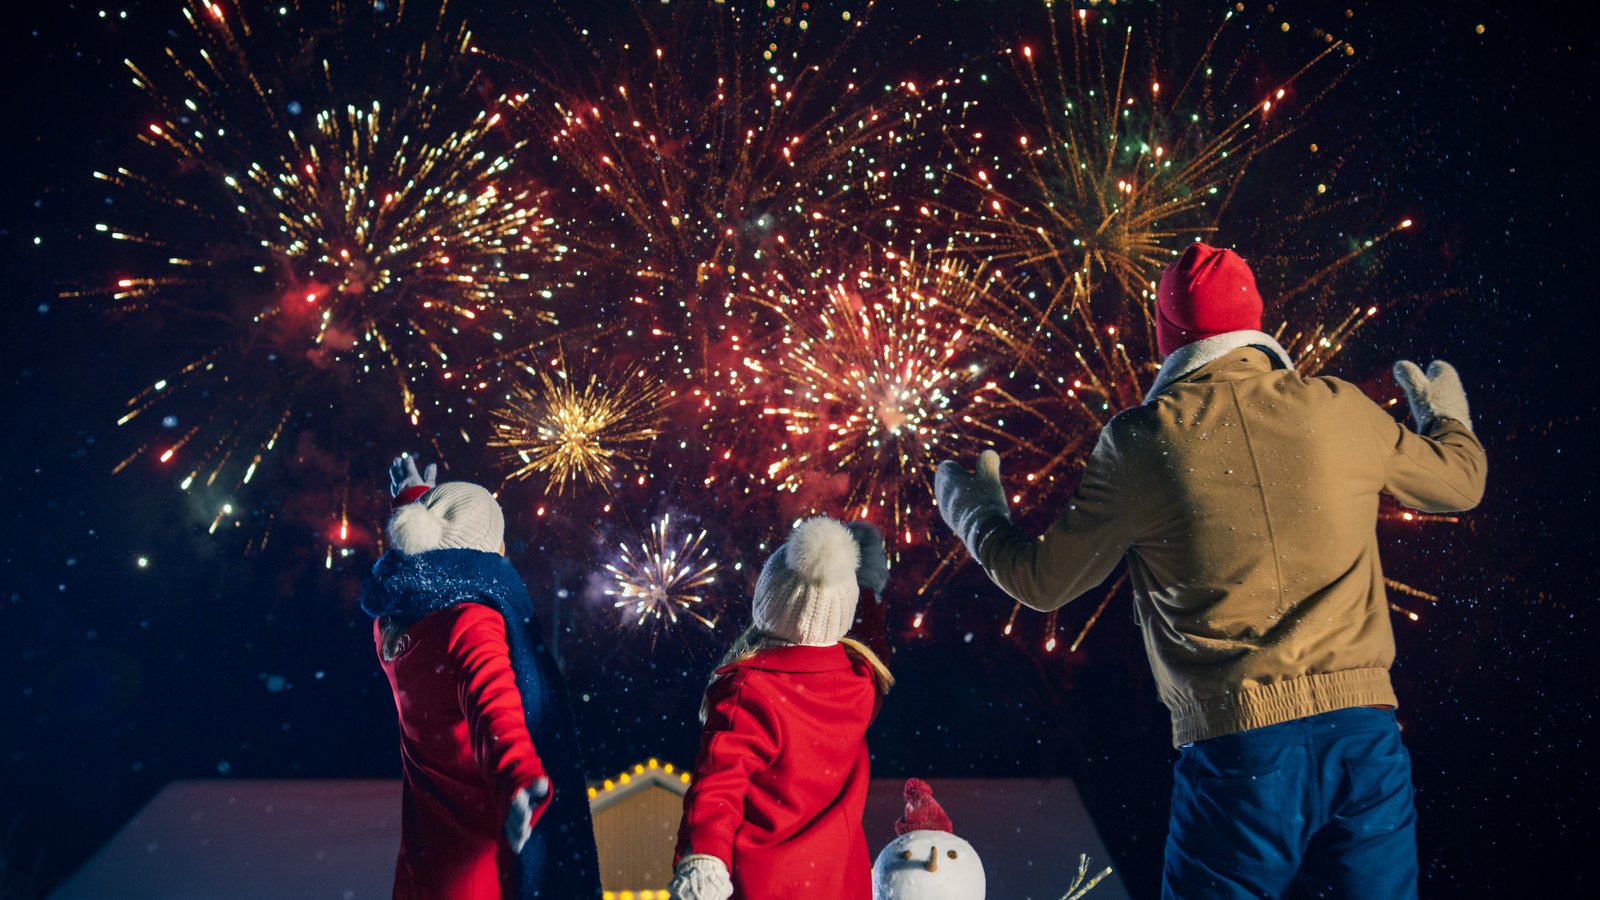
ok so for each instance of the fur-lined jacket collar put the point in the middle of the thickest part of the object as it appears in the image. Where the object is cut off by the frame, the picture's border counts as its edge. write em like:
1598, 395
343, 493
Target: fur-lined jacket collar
1190, 358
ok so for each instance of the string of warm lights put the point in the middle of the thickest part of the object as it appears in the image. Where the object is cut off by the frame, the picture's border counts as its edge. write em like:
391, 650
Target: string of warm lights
626, 777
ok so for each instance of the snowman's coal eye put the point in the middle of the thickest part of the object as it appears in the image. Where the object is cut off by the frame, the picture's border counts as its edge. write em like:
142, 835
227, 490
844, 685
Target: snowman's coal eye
952, 854
905, 854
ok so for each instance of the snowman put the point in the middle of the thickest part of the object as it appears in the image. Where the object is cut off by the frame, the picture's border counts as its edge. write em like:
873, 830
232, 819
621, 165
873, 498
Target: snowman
926, 861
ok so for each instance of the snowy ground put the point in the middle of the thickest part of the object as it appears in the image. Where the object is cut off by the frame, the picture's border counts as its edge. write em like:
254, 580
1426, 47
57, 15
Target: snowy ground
303, 839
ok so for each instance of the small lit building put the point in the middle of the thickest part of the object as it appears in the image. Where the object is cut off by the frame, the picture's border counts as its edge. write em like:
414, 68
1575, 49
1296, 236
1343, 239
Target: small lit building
636, 829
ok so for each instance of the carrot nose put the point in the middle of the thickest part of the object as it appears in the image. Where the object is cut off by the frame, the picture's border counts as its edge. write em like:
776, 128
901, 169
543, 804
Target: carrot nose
932, 865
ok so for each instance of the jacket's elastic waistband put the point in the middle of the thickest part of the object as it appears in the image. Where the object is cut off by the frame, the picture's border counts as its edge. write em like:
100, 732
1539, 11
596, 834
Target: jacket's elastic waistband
1296, 698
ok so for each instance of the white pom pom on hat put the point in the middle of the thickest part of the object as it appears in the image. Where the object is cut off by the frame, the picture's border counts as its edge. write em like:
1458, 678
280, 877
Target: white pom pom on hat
453, 515
414, 528
822, 550
807, 591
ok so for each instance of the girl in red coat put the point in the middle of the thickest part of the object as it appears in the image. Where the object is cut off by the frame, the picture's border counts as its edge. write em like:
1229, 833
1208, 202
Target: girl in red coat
494, 803
774, 811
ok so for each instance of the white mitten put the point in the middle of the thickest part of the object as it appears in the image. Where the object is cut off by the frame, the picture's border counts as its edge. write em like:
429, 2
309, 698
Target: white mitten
701, 876
519, 818
403, 474
1435, 395
968, 501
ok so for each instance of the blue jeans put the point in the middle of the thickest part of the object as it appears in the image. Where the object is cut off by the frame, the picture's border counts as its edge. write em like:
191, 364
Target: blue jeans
1320, 805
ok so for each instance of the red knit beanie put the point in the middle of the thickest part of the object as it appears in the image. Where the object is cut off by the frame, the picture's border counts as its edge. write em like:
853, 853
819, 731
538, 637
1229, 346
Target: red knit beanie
923, 813
1205, 293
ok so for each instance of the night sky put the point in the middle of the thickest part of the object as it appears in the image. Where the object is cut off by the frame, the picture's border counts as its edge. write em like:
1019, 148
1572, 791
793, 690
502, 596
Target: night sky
213, 662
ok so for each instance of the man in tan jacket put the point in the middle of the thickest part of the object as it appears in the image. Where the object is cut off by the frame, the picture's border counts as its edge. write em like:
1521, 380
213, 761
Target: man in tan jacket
1244, 498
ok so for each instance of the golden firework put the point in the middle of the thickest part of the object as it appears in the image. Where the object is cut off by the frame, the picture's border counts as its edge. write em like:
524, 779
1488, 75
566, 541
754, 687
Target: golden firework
1117, 162
574, 430
321, 240
1116, 165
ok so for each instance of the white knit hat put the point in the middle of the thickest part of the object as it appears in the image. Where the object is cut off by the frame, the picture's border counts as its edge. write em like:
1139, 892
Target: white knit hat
454, 514
807, 591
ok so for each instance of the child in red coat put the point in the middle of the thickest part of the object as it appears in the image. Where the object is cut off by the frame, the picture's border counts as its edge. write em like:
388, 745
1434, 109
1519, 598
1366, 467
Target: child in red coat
775, 807
494, 803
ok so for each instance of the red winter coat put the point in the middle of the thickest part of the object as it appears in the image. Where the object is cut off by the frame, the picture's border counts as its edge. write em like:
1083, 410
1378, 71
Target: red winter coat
465, 750
781, 781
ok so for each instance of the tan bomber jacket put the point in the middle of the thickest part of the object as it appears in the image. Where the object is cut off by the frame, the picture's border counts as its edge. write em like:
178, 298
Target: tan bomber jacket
1245, 499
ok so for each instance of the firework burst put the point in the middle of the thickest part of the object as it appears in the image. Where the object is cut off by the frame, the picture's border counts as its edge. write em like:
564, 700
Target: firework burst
662, 578
319, 238
721, 142
884, 370
571, 432
1115, 163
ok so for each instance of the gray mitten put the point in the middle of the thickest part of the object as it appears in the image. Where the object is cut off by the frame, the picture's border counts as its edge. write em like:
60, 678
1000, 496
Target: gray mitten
968, 501
873, 571
1435, 395
519, 818
403, 474
701, 876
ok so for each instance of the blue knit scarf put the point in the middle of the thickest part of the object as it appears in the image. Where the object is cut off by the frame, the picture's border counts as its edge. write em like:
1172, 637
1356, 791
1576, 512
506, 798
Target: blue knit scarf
559, 860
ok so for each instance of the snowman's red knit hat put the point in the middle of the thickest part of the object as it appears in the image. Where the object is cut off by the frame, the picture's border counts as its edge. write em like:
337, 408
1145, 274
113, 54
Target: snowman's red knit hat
923, 813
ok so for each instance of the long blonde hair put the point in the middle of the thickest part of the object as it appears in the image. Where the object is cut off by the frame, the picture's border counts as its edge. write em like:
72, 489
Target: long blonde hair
753, 640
